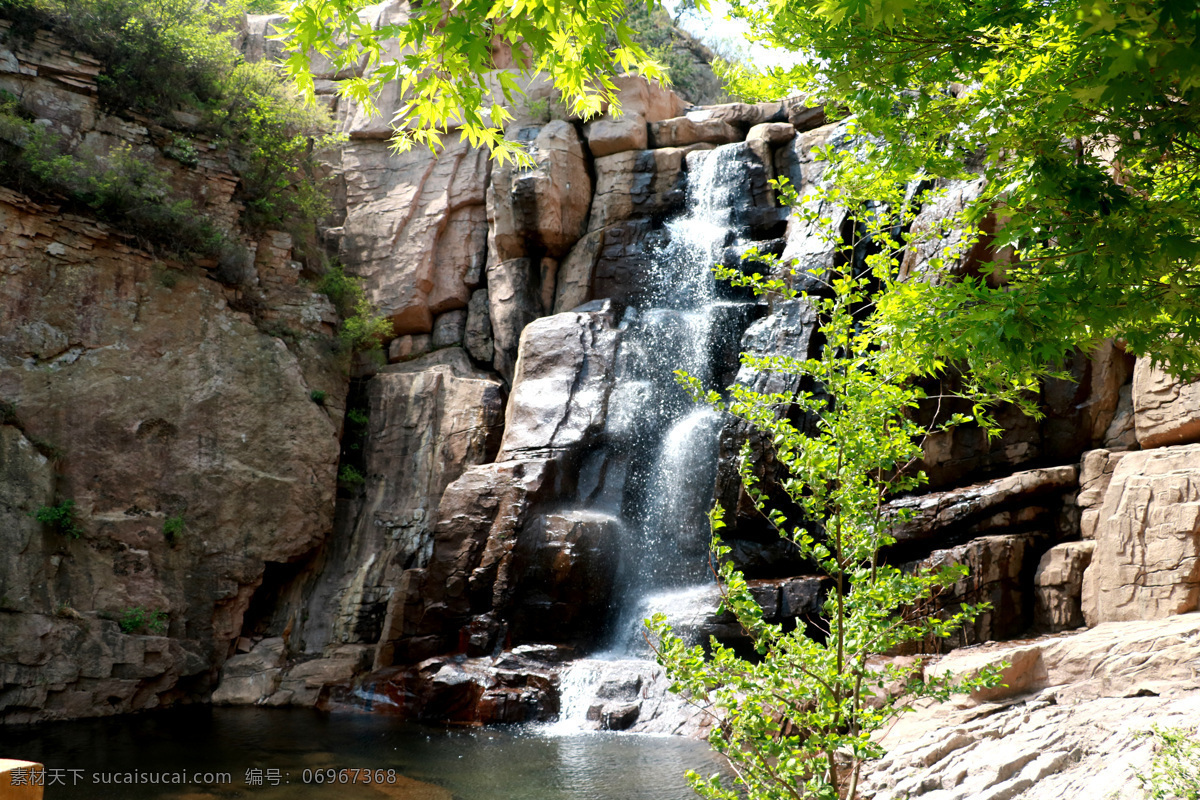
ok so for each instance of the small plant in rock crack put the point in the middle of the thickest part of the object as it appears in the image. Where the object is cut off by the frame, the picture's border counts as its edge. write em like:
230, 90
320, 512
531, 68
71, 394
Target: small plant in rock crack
137, 619
60, 518
173, 528
350, 477
317, 396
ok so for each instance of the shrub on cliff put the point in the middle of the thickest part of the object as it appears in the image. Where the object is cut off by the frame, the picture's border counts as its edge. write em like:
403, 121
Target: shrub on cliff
363, 328
60, 518
160, 58
120, 187
157, 55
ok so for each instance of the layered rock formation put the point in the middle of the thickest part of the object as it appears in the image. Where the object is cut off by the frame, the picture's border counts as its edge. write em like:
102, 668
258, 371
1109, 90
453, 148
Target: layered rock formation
142, 391
1073, 720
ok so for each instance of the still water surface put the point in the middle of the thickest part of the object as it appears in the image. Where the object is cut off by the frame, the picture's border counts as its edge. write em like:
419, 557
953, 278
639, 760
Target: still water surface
429, 763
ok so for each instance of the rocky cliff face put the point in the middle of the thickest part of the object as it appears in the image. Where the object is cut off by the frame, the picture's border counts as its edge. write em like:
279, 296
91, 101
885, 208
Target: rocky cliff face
137, 389
484, 548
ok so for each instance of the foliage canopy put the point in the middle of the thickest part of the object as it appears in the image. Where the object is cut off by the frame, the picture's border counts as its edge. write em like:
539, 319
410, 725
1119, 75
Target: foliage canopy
160, 58
457, 65
1081, 120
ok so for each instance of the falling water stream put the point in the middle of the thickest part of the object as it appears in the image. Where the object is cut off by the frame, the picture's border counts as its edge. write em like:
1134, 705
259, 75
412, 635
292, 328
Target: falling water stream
683, 324
669, 442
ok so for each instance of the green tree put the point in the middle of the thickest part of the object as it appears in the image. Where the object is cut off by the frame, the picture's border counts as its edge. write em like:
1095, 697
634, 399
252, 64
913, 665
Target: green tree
1081, 119
450, 70
797, 721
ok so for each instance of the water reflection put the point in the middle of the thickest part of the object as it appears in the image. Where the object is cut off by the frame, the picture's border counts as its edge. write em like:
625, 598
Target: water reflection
297, 747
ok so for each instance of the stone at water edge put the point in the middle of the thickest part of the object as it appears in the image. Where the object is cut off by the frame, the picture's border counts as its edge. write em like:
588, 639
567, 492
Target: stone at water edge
16, 780
409, 789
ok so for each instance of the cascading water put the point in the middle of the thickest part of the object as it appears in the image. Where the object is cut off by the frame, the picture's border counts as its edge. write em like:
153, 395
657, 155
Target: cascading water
665, 444
683, 323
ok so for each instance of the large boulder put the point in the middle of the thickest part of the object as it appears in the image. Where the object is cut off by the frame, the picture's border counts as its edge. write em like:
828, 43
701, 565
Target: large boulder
564, 374
516, 686
1071, 722
470, 572
429, 420
682, 131
1146, 563
1166, 410
606, 135
514, 300
742, 116
1058, 585
999, 568
1095, 474
606, 263
642, 102
415, 230
1019, 499
250, 677
567, 562
638, 183
540, 210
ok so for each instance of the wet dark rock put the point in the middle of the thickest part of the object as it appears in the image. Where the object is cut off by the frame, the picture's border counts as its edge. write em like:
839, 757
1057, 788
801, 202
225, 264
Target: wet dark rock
567, 562
464, 691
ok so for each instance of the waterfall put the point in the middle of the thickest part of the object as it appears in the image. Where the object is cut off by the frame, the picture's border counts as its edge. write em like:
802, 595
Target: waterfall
660, 449
682, 323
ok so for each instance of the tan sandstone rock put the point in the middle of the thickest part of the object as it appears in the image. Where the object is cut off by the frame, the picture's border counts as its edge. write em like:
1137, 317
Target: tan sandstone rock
682, 131
606, 136
742, 116
560, 390
995, 564
415, 228
1166, 410
1147, 559
1095, 474
1037, 749
650, 100
642, 102
543, 208
1058, 586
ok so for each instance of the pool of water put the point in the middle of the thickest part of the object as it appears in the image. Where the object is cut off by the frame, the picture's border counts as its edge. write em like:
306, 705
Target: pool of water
284, 753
